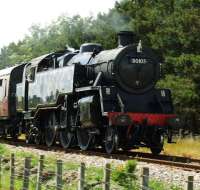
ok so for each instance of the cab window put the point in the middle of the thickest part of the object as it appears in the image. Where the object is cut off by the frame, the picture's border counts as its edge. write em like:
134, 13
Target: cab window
3, 88
45, 65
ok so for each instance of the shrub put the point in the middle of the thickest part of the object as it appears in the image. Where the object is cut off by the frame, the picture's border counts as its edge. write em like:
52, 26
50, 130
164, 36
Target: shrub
124, 175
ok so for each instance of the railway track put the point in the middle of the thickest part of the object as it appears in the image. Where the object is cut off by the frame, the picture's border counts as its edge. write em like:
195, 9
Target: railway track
168, 160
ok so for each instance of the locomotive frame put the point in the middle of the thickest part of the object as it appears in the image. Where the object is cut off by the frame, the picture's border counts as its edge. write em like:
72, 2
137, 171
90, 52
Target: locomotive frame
89, 98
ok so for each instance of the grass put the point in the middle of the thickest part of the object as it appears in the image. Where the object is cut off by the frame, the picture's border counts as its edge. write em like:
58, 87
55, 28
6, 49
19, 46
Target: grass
157, 185
94, 175
187, 147
49, 169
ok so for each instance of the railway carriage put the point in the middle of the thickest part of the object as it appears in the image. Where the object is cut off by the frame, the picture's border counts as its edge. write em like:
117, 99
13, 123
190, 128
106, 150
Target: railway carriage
90, 98
10, 116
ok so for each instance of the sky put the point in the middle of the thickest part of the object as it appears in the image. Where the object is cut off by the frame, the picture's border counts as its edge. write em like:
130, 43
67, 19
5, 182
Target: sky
17, 16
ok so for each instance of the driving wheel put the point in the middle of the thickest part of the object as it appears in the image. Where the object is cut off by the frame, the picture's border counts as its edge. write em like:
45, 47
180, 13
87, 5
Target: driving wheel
67, 136
157, 144
111, 139
50, 129
86, 140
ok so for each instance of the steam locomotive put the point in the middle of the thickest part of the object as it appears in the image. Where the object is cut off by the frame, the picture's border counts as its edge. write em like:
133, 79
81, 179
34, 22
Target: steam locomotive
90, 98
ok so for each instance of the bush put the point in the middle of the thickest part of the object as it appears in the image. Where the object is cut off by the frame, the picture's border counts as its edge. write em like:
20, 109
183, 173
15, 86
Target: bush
124, 175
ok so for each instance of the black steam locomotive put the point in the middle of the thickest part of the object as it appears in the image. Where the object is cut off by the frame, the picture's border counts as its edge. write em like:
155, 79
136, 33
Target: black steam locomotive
91, 97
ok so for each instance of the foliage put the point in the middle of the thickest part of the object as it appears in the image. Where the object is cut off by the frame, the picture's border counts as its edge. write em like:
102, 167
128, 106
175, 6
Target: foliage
184, 93
156, 185
125, 175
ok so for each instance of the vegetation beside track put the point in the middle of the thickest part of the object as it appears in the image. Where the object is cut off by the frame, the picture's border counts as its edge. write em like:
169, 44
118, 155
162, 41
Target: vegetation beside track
186, 147
123, 176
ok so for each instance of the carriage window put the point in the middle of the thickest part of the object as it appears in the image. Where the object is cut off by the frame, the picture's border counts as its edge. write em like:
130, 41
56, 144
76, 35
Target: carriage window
1, 90
5, 87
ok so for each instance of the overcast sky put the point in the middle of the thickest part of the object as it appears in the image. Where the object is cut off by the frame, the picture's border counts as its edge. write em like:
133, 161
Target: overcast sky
16, 16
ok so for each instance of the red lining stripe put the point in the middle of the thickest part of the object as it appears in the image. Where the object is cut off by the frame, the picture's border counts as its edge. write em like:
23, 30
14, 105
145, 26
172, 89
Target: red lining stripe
139, 118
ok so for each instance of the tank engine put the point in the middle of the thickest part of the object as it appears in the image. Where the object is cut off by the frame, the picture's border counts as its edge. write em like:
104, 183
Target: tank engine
93, 97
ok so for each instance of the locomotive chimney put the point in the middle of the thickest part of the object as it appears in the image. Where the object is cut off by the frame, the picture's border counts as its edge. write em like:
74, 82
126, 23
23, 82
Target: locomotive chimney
125, 38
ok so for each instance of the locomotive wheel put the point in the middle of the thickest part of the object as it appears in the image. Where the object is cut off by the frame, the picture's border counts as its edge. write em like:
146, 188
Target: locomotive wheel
111, 140
66, 138
29, 137
38, 137
29, 134
14, 135
85, 139
157, 145
50, 129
